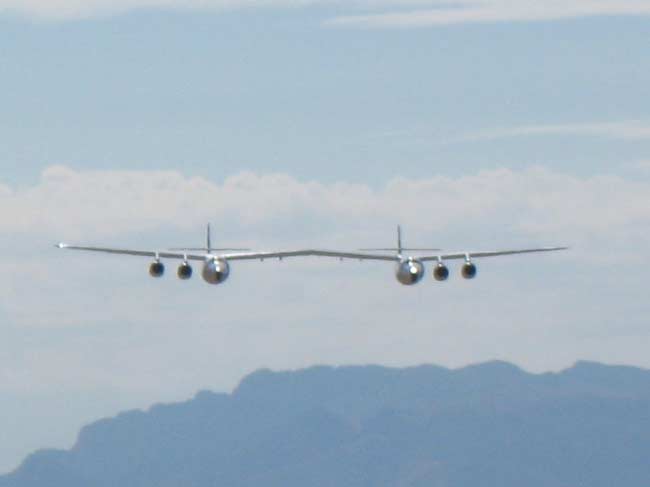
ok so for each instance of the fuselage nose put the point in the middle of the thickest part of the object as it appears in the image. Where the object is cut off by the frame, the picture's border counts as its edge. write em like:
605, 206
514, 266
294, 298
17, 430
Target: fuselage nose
215, 271
409, 272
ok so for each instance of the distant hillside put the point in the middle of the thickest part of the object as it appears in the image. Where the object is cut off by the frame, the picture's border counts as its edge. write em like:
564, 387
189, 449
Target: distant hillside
491, 425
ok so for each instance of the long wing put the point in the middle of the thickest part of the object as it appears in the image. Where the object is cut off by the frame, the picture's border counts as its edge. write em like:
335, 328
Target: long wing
138, 253
304, 253
232, 256
492, 253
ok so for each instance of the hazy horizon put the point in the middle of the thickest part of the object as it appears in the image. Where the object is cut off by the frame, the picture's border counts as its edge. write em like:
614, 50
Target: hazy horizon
312, 124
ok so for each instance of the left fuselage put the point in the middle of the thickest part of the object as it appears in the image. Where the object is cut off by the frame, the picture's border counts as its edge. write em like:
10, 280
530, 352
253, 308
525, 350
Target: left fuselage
215, 270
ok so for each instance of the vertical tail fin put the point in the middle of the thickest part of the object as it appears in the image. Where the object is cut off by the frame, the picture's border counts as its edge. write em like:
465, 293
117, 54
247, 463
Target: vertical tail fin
208, 245
399, 240
400, 249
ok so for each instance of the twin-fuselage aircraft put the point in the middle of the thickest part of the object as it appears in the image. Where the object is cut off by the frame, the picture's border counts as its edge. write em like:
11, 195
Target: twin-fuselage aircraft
409, 270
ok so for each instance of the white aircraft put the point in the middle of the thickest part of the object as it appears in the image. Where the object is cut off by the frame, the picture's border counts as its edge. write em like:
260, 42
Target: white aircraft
216, 269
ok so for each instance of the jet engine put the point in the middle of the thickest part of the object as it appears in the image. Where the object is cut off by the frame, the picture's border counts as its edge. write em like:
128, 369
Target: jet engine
156, 269
441, 272
409, 272
184, 271
468, 270
215, 271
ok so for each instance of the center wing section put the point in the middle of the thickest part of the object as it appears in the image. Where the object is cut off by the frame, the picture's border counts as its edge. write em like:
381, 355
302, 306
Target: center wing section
308, 253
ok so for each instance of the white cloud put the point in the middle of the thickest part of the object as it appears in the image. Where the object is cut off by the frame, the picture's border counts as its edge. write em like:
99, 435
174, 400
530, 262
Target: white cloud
477, 11
429, 12
603, 218
537, 202
74, 9
624, 130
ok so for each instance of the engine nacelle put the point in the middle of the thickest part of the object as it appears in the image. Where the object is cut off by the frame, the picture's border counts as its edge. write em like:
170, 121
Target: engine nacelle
409, 272
156, 269
469, 270
215, 271
184, 271
441, 272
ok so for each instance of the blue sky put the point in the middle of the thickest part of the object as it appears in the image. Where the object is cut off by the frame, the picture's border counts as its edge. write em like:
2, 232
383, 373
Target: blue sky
304, 124
276, 90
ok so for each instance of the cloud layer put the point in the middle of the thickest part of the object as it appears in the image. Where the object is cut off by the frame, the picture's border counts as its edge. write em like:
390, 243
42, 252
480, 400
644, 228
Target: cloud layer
482, 11
377, 13
626, 130
536, 204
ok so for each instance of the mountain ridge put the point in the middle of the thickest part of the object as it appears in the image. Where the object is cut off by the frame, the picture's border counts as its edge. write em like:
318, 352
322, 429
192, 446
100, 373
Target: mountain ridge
371, 425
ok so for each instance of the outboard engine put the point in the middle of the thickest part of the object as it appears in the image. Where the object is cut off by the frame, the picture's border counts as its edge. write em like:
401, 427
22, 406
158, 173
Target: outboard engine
184, 271
441, 272
469, 270
156, 269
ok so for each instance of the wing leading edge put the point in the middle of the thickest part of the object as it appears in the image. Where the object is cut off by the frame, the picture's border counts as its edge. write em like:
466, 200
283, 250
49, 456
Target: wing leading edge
305, 253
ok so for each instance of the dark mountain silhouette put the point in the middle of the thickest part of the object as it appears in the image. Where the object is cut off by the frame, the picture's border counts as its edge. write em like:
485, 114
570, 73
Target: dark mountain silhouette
485, 425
